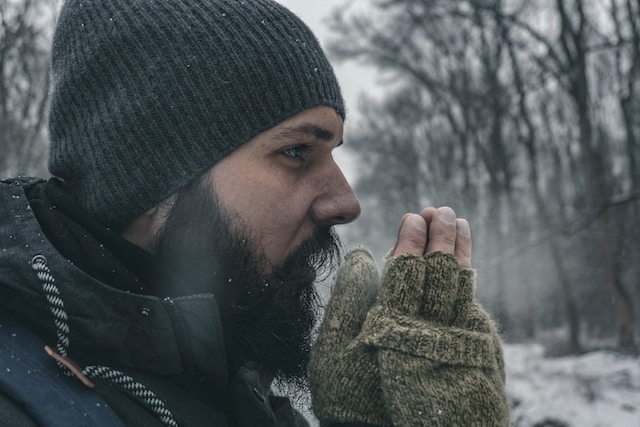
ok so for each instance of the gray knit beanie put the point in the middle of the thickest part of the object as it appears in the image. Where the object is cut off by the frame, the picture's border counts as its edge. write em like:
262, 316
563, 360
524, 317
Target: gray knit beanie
149, 94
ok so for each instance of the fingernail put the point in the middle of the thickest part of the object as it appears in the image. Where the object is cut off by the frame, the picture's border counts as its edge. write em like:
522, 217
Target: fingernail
447, 215
463, 228
418, 222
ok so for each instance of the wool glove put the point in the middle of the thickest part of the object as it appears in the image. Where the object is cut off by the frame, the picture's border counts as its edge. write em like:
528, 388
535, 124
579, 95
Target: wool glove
439, 356
345, 384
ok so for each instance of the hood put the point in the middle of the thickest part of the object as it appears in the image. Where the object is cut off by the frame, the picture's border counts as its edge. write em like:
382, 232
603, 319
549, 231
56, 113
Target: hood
166, 336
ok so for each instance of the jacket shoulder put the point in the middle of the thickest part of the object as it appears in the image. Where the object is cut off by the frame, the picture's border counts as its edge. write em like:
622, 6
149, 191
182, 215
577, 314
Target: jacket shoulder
13, 415
32, 387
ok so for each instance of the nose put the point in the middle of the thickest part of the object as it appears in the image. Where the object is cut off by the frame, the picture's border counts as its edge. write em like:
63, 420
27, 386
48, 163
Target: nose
337, 203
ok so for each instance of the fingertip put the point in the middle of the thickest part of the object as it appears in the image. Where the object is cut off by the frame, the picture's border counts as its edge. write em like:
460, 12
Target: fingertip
402, 221
418, 222
412, 237
442, 231
446, 214
463, 243
428, 214
462, 227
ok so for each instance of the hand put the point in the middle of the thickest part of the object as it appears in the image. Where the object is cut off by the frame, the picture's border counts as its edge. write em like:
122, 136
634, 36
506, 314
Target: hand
435, 230
438, 354
343, 372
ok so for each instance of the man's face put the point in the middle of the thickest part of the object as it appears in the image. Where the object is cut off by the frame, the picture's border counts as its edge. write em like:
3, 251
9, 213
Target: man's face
255, 230
283, 185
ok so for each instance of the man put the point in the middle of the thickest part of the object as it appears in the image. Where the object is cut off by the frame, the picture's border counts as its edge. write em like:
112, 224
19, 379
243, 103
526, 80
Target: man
168, 265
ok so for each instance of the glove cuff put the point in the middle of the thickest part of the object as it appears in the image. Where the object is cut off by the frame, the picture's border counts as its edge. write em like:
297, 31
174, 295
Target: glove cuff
446, 345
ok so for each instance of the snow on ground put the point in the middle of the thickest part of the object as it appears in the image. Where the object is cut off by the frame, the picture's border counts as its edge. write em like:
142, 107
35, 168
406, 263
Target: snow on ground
596, 389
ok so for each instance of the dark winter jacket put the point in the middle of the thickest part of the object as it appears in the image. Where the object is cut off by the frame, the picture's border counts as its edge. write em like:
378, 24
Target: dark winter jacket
154, 360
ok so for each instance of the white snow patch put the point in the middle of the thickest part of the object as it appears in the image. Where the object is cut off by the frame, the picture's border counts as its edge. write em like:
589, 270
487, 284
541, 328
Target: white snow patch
597, 389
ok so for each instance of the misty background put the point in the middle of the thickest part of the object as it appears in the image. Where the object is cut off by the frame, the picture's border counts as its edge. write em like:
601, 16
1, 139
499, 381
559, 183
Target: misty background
522, 115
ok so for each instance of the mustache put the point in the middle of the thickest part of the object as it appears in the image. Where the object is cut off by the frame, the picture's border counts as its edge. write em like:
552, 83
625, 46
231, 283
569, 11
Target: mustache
319, 254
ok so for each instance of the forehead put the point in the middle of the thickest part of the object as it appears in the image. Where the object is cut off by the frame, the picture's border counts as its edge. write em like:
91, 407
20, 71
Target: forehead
316, 125
304, 131
319, 123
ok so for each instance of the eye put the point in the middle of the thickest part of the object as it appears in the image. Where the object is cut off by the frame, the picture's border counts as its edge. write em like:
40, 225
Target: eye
296, 152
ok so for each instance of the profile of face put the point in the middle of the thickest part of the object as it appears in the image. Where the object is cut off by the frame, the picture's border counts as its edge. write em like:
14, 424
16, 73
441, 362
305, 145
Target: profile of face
255, 230
284, 184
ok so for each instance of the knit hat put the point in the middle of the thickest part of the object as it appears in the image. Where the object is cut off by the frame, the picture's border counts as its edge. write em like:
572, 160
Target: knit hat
149, 94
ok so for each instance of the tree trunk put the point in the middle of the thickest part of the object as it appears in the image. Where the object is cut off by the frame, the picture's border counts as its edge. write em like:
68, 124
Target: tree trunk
574, 45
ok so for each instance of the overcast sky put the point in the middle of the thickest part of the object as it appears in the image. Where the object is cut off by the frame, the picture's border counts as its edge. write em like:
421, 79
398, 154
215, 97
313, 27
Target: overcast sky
314, 13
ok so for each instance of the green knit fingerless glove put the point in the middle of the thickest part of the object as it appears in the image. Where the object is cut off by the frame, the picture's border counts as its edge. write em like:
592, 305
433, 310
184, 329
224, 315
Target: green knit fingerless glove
343, 373
439, 357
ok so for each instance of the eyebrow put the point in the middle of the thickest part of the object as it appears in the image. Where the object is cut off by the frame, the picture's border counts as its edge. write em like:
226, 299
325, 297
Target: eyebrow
306, 130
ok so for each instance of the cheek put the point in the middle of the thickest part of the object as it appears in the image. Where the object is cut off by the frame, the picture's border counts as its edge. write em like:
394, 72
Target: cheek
274, 208
274, 215
279, 223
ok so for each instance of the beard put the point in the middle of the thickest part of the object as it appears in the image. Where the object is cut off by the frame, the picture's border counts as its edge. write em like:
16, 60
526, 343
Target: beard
268, 319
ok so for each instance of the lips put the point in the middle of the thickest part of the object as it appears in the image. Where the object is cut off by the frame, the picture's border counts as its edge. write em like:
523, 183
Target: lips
310, 277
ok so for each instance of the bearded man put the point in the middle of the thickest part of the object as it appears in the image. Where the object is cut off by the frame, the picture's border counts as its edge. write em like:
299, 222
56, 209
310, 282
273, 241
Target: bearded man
165, 274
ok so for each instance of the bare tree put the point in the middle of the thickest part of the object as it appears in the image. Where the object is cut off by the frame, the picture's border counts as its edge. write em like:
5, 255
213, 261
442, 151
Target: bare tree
25, 38
568, 59
494, 105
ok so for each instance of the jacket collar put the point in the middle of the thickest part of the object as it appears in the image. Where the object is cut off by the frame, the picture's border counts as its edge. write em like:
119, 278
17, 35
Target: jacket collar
167, 336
